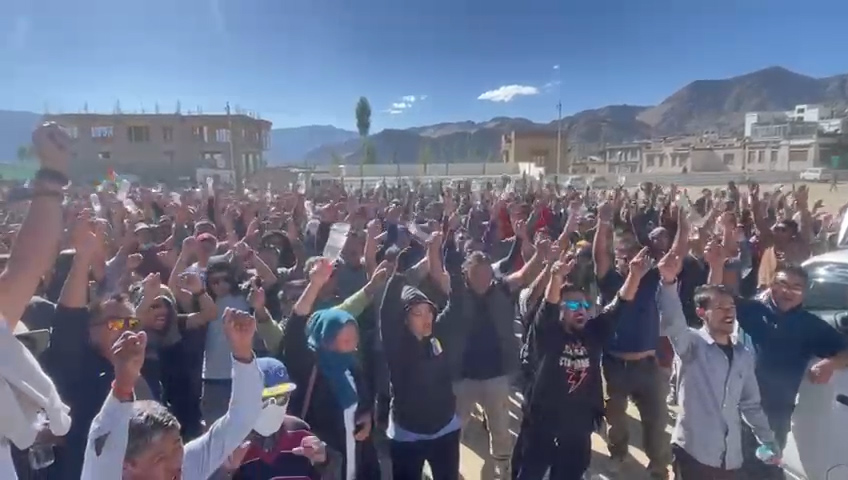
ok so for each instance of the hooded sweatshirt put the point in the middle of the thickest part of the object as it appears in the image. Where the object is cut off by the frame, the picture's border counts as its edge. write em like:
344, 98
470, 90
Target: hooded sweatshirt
419, 370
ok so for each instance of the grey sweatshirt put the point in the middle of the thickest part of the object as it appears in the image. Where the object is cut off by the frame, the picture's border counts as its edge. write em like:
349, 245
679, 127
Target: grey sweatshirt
202, 456
713, 390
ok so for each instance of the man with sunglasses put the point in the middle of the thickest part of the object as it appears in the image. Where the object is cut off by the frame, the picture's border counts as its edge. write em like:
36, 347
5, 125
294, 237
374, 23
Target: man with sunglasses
281, 445
564, 403
78, 358
786, 338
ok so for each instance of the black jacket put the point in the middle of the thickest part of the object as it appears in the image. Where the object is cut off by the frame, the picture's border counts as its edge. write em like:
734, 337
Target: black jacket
422, 399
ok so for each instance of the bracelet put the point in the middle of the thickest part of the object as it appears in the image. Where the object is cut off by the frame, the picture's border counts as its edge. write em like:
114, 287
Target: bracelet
122, 395
50, 175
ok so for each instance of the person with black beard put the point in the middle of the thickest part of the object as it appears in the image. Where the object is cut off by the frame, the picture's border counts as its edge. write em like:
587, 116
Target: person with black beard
564, 404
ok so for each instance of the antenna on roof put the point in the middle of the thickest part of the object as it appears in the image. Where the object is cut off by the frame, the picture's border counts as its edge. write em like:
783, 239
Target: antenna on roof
117, 109
156, 108
85, 108
179, 109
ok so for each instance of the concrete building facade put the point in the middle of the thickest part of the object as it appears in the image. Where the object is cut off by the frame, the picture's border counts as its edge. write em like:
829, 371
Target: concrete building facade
538, 147
165, 147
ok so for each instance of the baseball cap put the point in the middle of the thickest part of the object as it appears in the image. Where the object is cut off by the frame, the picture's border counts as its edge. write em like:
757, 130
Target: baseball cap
275, 377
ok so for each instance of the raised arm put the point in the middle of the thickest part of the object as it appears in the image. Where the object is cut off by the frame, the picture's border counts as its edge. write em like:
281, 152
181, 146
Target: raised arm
205, 454
108, 435
35, 252
672, 320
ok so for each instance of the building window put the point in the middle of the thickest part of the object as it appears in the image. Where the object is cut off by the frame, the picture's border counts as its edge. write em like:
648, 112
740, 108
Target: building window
138, 134
797, 155
222, 135
760, 156
167, 134
773, 156
214, 160
102, 132
661, 160
72, 132
729, 158
104, 155
649, 160
751, 155
200, 133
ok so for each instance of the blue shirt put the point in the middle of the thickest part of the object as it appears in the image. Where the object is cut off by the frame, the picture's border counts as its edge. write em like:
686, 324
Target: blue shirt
641, 331
785, 343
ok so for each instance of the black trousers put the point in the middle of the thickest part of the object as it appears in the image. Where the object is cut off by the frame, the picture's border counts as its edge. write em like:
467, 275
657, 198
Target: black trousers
687, 468
539, 449
441, 453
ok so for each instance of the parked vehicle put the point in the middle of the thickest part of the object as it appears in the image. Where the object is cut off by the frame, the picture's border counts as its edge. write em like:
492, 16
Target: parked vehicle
816, 175
599, 182
817, 448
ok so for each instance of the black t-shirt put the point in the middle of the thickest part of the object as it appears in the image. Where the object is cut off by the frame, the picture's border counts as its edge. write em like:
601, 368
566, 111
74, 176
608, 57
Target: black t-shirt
567, 392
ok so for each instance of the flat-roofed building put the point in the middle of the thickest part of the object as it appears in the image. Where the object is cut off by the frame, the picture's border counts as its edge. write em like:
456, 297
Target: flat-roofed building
165, 147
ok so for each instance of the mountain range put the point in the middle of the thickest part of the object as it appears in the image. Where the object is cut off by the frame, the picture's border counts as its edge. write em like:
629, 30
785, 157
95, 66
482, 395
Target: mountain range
718, 105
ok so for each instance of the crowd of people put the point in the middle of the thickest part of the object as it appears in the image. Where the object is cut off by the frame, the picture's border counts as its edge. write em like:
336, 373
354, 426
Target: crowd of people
349, 334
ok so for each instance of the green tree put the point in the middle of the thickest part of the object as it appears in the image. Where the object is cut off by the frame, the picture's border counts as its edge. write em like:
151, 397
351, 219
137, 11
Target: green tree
24, 153
363, 126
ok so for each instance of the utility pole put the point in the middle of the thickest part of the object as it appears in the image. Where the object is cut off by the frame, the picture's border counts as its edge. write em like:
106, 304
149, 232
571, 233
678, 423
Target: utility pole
559, 121
237, 170
559, 138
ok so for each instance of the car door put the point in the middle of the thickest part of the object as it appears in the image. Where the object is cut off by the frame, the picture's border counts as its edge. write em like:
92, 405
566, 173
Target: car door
817, 448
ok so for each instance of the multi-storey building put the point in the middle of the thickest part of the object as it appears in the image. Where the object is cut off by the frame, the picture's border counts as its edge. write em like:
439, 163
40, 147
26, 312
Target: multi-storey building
165, 147
538, 147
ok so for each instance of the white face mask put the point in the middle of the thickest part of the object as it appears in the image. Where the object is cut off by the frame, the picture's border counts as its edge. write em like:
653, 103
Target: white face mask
270, 419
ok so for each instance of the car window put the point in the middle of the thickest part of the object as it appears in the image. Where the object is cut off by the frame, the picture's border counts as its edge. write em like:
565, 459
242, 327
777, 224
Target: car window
828, 287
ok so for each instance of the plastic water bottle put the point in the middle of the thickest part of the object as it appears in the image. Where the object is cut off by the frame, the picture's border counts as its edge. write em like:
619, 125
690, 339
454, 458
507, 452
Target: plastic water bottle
336, 241
123, 190
766, 454
210, 186
95, 203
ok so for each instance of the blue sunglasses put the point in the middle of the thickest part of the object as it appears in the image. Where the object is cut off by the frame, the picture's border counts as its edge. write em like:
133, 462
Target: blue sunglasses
574, 305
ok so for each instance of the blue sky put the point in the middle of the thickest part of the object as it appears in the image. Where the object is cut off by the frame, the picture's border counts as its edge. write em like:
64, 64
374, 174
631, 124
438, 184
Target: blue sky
300, 62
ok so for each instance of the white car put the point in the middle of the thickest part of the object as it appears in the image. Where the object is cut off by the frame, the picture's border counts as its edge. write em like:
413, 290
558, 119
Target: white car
816, 175
599, 182
575, 181
817, 448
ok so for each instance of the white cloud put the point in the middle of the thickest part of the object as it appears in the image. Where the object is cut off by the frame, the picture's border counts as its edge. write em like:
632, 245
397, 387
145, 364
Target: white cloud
507, 93
556, 67
18, 35
422, 97
408, 98
401, 105
395, 111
